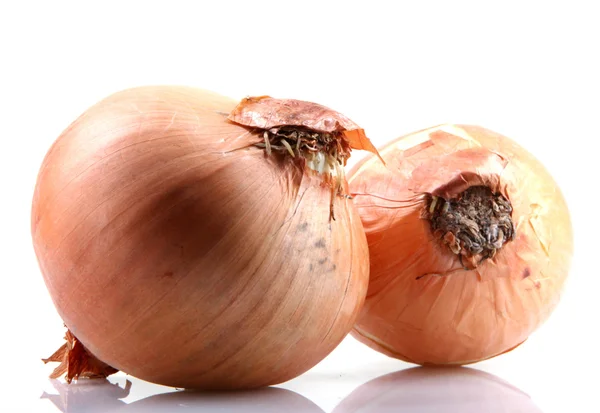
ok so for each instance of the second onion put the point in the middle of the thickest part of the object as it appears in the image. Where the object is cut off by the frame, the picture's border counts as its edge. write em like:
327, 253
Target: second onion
470, 245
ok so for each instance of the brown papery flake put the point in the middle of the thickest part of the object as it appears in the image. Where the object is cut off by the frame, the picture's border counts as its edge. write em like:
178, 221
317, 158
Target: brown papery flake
76, 361
265, 112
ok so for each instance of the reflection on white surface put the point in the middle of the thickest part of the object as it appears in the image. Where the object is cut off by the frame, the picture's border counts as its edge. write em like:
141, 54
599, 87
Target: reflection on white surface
91, 396
445, 389
98, 395
263, 400
415, 390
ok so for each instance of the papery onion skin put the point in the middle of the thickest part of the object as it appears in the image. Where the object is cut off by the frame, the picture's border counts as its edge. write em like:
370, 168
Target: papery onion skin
266, 112
422, 306
181, 254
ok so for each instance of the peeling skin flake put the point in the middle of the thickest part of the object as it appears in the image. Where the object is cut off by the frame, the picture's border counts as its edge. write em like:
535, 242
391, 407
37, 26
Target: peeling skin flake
265, 112
76, 361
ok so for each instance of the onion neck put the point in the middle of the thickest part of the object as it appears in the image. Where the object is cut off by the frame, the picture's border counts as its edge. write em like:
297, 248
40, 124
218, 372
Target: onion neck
324, 153
474, 225
321, 150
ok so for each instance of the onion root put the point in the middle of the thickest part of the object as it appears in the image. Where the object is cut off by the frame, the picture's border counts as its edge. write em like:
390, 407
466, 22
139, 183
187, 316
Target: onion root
474, 225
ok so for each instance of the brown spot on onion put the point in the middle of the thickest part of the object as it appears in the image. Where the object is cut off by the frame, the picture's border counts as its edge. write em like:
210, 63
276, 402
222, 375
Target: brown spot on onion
321, 243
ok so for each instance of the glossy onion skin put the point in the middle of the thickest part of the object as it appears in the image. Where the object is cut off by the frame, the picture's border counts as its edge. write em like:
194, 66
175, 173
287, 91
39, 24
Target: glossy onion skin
180, 254
422, 306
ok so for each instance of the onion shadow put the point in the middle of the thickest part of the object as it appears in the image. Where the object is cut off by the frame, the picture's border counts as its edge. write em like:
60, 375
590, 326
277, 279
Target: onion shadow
100, 395
437, 389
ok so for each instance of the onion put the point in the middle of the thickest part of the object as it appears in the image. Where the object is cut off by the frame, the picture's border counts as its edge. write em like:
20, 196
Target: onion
179, 251
470, 244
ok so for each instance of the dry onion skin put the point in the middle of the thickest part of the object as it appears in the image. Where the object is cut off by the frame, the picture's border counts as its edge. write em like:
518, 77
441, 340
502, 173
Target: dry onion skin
177, 248
470, 244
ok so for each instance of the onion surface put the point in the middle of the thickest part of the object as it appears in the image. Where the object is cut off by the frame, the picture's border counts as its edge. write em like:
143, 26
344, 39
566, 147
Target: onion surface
178, 251
470, 244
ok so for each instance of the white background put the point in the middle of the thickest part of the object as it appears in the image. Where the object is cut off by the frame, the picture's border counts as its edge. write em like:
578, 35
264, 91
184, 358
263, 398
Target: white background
529, 70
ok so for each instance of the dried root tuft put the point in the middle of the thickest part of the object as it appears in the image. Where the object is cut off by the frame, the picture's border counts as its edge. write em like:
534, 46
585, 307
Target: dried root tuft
474, 225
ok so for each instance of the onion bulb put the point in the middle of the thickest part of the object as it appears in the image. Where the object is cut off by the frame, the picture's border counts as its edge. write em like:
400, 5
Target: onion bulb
470, 244
188, 244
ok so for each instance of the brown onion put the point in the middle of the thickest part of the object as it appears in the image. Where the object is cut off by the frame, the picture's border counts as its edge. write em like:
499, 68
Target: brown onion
470, 244
177, 250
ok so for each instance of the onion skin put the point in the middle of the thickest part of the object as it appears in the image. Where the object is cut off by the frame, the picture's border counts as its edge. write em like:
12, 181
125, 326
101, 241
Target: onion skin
422, 305
266, 112
179, 253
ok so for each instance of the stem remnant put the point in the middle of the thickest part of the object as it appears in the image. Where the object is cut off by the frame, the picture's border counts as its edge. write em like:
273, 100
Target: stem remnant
474, 225
325, 153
